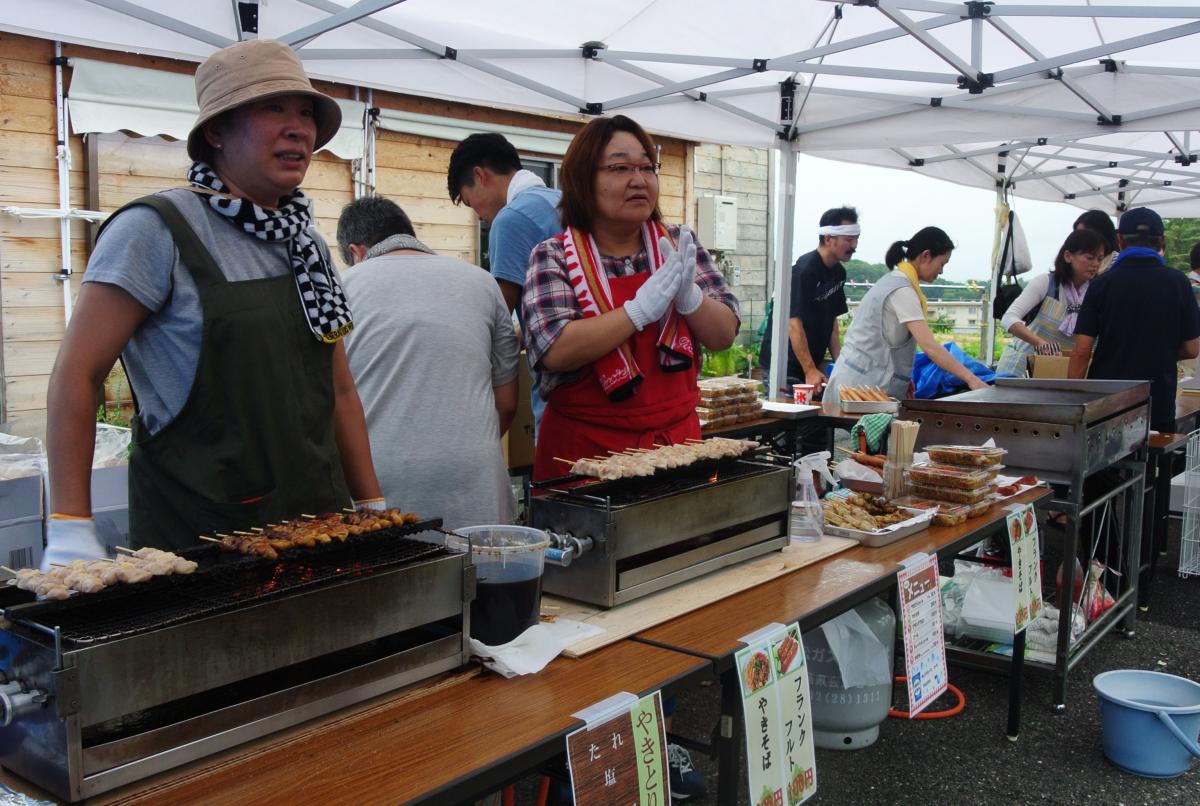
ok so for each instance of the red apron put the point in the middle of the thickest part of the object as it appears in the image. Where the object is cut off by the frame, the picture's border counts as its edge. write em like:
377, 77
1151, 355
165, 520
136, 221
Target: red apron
580, 420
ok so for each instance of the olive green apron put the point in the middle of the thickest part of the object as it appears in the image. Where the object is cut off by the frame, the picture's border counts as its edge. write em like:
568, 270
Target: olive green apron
254, 442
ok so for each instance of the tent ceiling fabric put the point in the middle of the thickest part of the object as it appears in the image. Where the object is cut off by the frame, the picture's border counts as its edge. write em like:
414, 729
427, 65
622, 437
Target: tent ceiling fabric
890, 82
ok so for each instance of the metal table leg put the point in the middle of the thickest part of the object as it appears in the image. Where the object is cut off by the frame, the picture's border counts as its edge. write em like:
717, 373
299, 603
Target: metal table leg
727, 739
1014, 686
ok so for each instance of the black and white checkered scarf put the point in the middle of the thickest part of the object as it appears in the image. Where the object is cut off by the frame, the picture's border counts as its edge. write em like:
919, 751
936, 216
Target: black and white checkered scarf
320, 291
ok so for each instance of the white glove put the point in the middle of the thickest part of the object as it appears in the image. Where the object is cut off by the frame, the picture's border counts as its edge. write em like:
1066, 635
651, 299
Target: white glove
70, 539
656, 294
689, 297
373, 504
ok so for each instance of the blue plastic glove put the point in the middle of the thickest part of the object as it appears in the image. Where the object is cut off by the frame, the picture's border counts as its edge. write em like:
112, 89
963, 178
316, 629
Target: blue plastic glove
656, 294
689, 297
70, 539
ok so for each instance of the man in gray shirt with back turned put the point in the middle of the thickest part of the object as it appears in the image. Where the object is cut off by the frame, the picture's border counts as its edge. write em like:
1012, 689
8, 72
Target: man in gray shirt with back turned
434, 356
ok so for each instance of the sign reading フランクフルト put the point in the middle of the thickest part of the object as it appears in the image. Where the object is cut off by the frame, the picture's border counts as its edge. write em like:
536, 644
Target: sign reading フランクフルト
1026, 564
621, 759
777, 711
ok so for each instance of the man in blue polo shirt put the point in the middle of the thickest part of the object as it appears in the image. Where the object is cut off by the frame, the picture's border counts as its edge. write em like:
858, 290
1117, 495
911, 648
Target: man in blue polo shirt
1143, 316
486, 175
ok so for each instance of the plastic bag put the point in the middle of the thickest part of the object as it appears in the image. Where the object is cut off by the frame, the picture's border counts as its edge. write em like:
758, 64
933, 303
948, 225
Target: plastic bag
862, 660
930, 380
850, 470
112, 445
1096, 598
21, 456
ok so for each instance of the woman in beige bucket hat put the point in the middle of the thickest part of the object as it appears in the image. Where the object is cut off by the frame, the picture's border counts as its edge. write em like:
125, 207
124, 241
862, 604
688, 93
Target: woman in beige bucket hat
222, 301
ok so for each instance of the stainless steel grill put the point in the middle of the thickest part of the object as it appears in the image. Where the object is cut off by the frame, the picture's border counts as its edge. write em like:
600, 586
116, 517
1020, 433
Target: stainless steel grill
649, 533
103, 689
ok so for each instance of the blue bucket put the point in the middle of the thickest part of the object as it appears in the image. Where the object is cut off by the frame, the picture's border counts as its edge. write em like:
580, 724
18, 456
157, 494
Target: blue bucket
1151, 721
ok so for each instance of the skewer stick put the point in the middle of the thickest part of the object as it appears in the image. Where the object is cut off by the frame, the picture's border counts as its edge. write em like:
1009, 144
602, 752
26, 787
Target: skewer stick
564, 461
209, 539
59, 565
9, 570
240, 532
126, 550
256, 529
306, 515
351, 510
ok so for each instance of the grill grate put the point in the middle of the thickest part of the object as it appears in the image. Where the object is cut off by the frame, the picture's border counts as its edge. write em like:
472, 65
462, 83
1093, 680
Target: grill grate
624, 492
228, 582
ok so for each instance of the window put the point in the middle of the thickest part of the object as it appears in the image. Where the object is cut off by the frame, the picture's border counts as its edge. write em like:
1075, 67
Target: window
548, 172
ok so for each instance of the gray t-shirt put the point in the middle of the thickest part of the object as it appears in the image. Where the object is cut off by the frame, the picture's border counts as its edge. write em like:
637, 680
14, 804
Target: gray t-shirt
137, 254
432, 337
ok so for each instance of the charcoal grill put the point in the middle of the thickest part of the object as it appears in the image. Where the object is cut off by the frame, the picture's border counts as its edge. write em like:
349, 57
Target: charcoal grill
1087, 438
104, 689
628, 538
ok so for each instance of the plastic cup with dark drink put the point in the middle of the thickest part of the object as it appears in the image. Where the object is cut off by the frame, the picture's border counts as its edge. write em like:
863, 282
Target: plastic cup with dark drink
508, 579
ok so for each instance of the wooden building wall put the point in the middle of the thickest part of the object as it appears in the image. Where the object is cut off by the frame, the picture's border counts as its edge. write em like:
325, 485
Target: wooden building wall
112, 169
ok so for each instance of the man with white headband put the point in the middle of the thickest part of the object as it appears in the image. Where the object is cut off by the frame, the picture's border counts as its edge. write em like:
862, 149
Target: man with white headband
817, 300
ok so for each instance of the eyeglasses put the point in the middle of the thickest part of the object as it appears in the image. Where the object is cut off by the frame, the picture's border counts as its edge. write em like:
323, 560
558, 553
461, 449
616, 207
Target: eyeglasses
625, 170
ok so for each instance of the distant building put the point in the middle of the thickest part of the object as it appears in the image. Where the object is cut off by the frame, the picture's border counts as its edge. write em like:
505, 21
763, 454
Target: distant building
967, 315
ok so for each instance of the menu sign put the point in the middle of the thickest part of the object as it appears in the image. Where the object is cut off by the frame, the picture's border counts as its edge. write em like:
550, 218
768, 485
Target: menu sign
622, 759
777, 710
1026, 565
924, 639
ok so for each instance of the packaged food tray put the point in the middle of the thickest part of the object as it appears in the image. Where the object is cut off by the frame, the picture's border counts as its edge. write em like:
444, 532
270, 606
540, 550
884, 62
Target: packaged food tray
980, 508
951, 494
947, 514
965, 455
960, 478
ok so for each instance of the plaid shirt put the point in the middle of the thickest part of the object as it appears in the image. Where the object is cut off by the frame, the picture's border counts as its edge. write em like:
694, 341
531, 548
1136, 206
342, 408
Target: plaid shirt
548, 303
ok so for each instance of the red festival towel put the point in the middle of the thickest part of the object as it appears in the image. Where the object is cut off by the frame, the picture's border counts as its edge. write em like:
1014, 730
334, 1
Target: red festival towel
618, 371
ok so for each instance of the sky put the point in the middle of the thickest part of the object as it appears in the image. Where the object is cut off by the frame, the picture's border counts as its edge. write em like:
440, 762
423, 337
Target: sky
892, 205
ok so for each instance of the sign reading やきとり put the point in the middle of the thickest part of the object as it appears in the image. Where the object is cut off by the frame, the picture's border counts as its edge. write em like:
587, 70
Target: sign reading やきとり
777, 711
619, 758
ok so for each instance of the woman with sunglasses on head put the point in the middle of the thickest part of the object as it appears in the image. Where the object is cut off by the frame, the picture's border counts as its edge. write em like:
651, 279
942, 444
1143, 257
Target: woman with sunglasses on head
1042, 318
892, 321
614, 307
223, 302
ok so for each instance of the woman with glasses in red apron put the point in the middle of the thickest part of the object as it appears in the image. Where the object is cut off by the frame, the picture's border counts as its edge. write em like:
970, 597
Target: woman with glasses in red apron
614, 307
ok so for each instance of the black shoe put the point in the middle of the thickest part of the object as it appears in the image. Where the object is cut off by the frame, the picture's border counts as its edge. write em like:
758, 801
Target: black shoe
686, 780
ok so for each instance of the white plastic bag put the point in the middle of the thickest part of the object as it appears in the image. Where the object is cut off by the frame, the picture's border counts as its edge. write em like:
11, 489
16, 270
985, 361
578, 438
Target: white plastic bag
21, 456
861, 658
112, 445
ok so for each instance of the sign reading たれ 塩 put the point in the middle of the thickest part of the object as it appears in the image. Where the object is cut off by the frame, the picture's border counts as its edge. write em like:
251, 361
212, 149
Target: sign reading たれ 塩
621, 760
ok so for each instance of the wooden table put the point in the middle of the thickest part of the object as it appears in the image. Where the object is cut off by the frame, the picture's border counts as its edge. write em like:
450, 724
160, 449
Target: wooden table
448, 740
1187, 413
812, 596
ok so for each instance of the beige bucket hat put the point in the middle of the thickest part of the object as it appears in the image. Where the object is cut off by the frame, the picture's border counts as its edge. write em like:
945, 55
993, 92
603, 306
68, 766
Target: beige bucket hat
250, 70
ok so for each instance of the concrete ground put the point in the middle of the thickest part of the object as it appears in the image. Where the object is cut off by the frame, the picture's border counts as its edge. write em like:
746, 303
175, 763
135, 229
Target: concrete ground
968, 760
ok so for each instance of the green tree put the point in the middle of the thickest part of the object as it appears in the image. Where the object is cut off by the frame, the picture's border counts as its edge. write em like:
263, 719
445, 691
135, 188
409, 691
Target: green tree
1181, 234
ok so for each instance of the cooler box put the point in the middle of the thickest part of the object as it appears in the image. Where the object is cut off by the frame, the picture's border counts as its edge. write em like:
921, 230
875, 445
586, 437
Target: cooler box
21, 521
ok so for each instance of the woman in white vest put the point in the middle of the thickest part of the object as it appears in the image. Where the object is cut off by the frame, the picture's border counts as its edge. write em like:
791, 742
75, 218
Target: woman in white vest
1042, 318
891, 323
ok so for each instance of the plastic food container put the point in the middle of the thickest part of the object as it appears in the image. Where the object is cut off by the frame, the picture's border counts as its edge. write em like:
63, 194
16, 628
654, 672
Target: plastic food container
953, 495
960, 478
509, 561
947, 515
965, 455
980, 508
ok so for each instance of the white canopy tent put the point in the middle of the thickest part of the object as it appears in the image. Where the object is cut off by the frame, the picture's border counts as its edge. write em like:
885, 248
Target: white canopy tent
1092, 102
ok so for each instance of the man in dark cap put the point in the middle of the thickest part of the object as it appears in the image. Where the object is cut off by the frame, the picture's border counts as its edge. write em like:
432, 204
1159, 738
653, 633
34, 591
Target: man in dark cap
1143, 314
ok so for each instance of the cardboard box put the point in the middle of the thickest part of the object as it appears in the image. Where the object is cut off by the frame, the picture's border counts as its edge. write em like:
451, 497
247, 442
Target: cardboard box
21, 542
21, 527
1049, 366
518, 442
